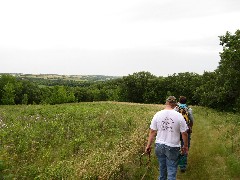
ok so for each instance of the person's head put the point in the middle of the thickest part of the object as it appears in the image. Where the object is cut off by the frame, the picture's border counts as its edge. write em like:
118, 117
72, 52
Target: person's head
172, 101
182, 99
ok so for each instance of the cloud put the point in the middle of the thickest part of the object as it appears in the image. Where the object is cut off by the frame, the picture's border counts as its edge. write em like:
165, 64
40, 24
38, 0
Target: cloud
166, 10
113, 37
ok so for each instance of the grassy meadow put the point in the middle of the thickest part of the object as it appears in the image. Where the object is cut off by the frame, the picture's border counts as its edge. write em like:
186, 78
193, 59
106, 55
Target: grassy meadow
104, 140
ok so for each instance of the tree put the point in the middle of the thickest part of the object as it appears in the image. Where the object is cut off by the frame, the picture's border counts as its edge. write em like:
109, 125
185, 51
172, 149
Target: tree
183, 84
59, 95
206, 93
32, 91
155, 92
229, 68
45, 95
70, 97
25, 99
134, 86
8, 94
17, 87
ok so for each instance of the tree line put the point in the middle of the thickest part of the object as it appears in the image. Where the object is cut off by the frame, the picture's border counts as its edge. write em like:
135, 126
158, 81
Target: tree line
218, 89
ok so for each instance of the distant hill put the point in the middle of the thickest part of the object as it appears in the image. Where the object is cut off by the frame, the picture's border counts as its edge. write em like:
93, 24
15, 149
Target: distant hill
85, 78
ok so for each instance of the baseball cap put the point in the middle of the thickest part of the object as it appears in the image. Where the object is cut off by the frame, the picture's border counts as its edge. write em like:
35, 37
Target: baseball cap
171, 99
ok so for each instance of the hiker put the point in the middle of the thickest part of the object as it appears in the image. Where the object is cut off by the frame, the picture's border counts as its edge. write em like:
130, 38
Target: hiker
166, 126
186, 111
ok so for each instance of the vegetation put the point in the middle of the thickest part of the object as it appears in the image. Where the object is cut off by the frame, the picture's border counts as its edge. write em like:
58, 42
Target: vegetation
215, 147
65, 80
71, 141
47, 139
104, 140
218, 89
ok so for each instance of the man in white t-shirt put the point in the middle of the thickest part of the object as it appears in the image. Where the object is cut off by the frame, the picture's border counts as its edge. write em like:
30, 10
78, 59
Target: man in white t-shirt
166, 126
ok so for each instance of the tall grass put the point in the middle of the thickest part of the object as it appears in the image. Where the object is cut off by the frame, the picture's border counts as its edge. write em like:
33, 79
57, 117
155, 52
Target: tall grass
104, 140
71, 141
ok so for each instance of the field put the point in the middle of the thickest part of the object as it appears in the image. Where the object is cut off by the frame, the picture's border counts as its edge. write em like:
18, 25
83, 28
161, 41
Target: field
104, 140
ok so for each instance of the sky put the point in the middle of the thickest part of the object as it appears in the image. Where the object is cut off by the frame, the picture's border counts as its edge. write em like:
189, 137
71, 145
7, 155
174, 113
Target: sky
115, 38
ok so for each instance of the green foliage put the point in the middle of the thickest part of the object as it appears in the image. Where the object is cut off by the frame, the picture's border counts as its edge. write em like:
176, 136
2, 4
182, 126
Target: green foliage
205, 93
9, 86
134, 87
59, 95
63, 141
155, 91
219, 89
210, 153
25, 99
104, 140
83, 94
8, 94
32, 91
229, 74
183, 84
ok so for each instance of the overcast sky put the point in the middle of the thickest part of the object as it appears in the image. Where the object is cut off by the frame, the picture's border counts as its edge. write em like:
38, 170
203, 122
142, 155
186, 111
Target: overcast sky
109, 37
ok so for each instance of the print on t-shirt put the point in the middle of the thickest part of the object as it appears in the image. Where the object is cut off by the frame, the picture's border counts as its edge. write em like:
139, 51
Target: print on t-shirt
166, 124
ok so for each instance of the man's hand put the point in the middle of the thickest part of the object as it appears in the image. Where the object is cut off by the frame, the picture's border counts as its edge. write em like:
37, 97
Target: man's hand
148, 149
189, 130
152, 134
184, 150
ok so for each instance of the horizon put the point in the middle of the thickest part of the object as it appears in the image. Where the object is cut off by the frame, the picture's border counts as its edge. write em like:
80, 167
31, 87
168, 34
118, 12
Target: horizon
39, 74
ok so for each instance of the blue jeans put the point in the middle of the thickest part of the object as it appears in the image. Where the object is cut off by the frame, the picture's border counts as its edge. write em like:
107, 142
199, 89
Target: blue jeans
168, 161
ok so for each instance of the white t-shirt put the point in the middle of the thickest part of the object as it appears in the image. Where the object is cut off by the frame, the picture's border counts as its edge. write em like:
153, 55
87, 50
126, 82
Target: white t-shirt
168, 124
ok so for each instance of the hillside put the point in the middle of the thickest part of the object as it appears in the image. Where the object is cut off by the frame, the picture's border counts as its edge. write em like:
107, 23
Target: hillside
54, 77
104, 140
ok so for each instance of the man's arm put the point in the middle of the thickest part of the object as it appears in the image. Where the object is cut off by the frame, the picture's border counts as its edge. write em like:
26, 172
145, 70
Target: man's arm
185, 141
152, 134
190, 115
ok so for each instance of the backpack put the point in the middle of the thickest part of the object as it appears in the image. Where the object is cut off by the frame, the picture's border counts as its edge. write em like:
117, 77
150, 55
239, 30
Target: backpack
183, 109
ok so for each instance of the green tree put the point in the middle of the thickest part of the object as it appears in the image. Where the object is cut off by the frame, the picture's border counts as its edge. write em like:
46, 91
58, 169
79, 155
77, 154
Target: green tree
8, 94
83, 94
32, 90
229, 69
182, 84
70, 97
25, 99
112, 89
134, 87
155, 91
17, 86
59, 95
206, 93
46, 95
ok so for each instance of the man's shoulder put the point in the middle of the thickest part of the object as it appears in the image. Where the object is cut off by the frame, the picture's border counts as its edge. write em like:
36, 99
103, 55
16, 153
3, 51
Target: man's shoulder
166, 111
176, 113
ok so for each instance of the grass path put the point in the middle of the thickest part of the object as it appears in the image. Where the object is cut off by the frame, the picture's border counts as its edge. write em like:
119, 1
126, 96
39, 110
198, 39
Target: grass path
205, 160
209, 156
